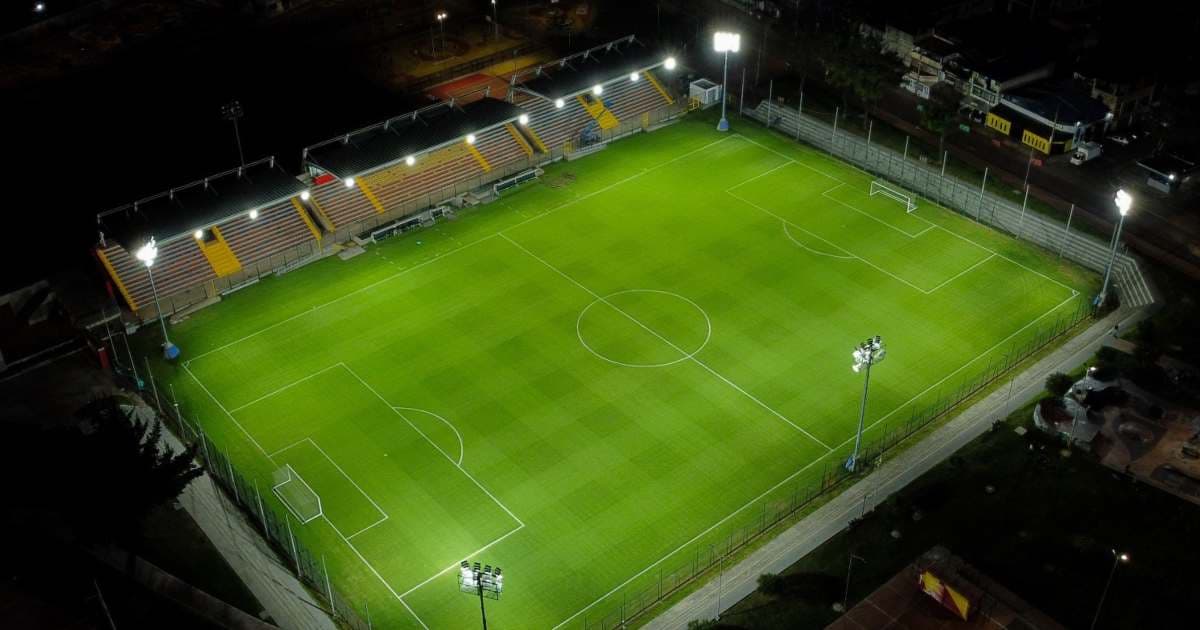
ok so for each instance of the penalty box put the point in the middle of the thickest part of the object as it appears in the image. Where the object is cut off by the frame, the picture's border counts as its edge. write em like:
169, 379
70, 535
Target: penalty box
384, 480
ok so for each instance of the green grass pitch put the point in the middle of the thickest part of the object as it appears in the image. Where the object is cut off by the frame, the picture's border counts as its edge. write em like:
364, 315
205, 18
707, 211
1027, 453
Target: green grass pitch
585, 380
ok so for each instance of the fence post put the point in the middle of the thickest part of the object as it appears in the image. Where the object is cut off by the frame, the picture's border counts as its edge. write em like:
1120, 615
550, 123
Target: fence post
328, 588
204, 443
232, 480
833, 136
1066, 232
295, 556
867, 153
770, 97
982, 190
153, 385
799, 113
1021, 223
262, 515
742, 97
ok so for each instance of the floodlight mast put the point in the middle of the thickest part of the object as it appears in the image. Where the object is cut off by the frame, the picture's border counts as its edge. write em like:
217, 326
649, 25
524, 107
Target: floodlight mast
725, 43
484, 582
147, 253
865, 355
1124, 202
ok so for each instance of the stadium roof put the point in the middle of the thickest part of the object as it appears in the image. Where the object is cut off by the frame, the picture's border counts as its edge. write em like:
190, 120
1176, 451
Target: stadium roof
1061, 101
416, 132
577, 73
200, 204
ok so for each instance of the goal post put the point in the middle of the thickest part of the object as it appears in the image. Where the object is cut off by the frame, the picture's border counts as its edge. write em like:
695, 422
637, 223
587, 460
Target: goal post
296, 495
891, 192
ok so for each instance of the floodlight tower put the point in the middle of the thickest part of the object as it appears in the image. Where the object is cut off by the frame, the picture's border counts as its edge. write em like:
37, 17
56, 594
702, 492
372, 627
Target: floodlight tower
1124, 202
487, 582
441, 19
725, 43
495, 20
232, 111
147, 253
865, 354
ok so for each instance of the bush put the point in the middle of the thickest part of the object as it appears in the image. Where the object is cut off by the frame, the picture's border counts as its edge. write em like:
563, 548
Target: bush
1058, 384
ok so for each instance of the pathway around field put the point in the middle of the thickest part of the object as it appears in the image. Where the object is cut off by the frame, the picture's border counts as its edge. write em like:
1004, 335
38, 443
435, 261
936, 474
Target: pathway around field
736, 582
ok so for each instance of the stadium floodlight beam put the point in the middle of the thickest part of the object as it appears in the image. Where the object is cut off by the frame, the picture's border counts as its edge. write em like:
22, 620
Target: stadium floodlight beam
558, 103
348, 182
253, 214
633, 76
1119, 557
470, 138
40, 7
1124, 202
523, 119
669, 64
597, 89
147, 254
410, 160
487, 582
726, 43
305, 195
198, 234
865, 355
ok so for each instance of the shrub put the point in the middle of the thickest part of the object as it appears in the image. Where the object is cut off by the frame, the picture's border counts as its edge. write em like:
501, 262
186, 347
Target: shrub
1058, 384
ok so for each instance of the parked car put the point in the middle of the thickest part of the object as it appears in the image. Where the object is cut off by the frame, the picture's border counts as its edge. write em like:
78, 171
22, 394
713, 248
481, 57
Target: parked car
1121, 140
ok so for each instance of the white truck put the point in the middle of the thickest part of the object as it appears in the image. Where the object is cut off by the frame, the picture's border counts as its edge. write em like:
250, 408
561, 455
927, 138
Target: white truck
1086, 151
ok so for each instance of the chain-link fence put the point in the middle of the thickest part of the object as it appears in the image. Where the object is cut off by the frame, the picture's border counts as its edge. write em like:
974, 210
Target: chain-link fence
684, 566
931, 181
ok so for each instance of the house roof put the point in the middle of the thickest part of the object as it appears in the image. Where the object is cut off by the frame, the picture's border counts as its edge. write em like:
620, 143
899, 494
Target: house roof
416, 132
1063, 101
199, 204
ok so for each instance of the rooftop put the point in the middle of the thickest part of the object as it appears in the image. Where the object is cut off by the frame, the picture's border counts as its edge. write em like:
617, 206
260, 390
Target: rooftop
199, 204
416, 132
1061, 100
601, 64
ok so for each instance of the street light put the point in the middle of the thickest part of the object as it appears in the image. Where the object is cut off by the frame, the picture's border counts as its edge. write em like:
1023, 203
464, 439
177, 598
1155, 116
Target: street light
495, 20
1124, 202
487, 582
865, 355
669, 64
725, 43
441, 19
1118, 558
147, 253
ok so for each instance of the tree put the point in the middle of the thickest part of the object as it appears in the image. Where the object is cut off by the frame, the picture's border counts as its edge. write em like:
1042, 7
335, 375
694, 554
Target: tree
1058, 384
940, 111
856, 65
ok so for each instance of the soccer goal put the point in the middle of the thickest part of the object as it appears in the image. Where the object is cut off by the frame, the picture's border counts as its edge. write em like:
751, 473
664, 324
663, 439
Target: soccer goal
296, 494
881, 188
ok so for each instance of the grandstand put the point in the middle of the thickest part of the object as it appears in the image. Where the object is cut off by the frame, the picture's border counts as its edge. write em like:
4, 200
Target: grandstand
254, 220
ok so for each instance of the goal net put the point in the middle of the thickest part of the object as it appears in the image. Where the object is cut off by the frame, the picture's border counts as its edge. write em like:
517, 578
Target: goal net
296, 494
881, 188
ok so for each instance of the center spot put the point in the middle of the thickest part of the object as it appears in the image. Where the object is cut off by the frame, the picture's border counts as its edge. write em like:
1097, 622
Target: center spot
643, 328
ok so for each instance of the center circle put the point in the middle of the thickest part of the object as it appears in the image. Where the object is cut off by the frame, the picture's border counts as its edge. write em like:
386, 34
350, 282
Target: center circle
643, 328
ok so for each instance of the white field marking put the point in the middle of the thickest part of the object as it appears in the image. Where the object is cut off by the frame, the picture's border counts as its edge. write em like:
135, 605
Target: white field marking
811, 250
434, 445
289, 447
806, 467
281, 389
872, 217
438, 257
348, 478
226, 411
668, 342
461, 446
685, 357
367, 527
286, 504
836, 162
963, 272
789, 162
456, 564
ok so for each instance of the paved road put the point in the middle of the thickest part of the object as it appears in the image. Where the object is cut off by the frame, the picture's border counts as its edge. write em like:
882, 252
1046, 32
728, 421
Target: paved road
738, 581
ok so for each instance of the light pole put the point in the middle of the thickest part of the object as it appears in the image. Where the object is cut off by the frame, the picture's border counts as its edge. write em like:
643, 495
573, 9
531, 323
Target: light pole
849, 568
1118, 558
1124, 202
865, 354
232, 111
495, 20
725, 43
441, 19
147, 254
487, 583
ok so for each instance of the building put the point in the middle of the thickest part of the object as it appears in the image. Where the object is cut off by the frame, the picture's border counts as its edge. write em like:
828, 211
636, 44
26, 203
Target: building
1049, 116
940, 590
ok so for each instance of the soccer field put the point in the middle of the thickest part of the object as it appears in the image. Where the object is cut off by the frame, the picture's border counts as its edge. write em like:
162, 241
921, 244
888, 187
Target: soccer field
599, 372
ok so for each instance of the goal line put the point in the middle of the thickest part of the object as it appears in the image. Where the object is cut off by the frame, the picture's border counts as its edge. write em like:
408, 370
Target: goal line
882, 188
296, 495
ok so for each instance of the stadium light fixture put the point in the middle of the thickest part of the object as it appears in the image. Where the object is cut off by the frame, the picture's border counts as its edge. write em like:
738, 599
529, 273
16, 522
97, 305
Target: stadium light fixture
669, 64
597, 89
633, 76
1123, 201
198, 234
726, 43
558, 103
486, 582
305, 195
523, 119
349, 182
147, 254
410, 160
865, 355
470, 138
40, 7
253, 214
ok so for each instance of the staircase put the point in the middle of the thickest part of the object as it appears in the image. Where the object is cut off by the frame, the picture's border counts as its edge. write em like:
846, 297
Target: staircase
659, 87
218, 253
519, 139
596, 108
